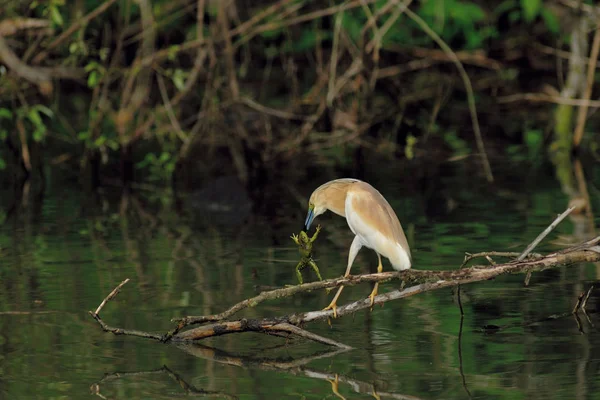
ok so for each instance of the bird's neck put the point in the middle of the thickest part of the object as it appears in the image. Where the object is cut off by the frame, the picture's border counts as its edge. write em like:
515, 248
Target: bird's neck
336, 202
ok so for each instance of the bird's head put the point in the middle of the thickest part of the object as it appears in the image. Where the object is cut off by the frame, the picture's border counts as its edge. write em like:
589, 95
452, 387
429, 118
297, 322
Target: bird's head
316, 207
328, 196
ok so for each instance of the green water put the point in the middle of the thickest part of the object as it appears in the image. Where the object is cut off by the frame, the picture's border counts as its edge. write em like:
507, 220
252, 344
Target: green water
62, 252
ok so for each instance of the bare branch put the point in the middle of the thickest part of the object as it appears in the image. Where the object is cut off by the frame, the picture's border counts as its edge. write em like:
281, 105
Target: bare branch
11, 26
110, 296
33, 75
545, 233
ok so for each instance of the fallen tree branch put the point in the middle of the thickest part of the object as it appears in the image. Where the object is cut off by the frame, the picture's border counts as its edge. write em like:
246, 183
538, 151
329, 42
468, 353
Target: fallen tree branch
289, 324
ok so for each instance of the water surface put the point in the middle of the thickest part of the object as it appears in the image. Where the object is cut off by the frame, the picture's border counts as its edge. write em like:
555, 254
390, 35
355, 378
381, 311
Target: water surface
62, 252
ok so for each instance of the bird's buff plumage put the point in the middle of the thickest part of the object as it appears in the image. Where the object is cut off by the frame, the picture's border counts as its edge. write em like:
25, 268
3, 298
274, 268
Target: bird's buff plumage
369, 216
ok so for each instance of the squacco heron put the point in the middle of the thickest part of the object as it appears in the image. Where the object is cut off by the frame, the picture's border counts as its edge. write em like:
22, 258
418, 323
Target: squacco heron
369, 216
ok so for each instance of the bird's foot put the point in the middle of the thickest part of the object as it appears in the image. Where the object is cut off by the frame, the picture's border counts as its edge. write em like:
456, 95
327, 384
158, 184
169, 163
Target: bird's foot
332, 306
372, 295
375, 394
335, 387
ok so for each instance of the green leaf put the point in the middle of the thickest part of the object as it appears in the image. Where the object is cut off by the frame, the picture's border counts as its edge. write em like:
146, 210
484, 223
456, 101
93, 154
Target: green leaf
534, 141
531, 9
100, 140
56, 16
44, 110
173, 51
39, 133
113, 145
2, 164
164, 157
550, 20
178, 79
35, 118
272, 34
92, 79
466, 13
352, 24
5, 113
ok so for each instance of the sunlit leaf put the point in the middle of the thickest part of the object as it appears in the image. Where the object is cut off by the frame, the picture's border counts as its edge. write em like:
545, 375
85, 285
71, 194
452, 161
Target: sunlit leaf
92, 79
56, 16
34, 117
178, 79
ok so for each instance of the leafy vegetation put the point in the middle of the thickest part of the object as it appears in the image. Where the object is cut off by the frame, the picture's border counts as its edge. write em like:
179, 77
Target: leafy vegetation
148, 85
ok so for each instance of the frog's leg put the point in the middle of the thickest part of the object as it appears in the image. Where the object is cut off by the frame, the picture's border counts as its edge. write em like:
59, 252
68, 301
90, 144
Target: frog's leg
313, 265
299, 268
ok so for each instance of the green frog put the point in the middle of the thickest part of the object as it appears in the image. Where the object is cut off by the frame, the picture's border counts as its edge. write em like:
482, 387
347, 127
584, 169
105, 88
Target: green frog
305, 248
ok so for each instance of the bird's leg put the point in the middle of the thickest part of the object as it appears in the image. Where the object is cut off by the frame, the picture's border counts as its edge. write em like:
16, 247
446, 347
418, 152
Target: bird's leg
299, 268
354, 248
379, 270
332, 305
313, 265
375, 394
334, 387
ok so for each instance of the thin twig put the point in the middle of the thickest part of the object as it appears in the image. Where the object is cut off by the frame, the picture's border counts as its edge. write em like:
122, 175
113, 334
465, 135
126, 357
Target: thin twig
11, 26
541, 237
335, 50
540, 97
79, 22
545, 233
582, 112
468, 87
578, 304
271, 111
587, 296
169, 109
460, 306
110, 296
509, 254
460, 357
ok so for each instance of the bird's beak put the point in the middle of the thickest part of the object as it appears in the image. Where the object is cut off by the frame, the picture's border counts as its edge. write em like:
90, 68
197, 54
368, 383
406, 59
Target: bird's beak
309, 217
